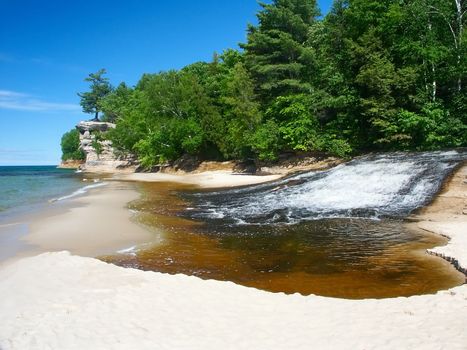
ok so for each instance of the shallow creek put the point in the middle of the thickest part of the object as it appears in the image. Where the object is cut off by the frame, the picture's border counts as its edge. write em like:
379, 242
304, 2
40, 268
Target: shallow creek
287, 237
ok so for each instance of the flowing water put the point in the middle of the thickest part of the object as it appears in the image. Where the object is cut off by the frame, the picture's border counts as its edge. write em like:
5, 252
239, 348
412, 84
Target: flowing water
339, 233
375, 186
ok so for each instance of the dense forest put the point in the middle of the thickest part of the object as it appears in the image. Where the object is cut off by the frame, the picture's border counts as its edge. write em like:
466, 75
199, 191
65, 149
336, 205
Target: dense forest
371, 75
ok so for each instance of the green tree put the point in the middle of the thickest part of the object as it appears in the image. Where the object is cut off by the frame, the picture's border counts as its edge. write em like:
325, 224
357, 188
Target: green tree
99, 89
266, 141
241, 113
370, 75
275, 53
171, 114
117, 103
169, 141
70, 146
130, 111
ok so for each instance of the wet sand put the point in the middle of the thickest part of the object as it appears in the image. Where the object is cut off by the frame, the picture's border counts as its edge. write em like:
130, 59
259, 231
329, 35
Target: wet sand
96, 223
447, 216
12, 247
207, 179
100, 222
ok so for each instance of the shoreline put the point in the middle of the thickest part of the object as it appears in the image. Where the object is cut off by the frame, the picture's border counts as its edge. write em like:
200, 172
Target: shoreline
91, 223
91, 300
96, 218
97, 223
447, 217
207, 179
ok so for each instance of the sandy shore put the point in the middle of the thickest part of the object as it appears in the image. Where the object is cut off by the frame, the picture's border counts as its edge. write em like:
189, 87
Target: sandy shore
93, 224
447, 216
60, 301
98, 223
208, 179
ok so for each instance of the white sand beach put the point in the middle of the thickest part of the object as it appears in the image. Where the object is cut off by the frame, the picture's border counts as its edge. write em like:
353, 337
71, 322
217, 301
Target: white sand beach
207, 179
95, 224
447, 216
91, 224
60, 301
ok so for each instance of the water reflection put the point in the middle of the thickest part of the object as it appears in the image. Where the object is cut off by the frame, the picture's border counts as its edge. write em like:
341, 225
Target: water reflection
349, 258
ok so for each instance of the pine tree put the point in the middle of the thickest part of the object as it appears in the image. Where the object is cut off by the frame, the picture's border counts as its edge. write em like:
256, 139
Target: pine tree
275, 51
100, 88
241, 113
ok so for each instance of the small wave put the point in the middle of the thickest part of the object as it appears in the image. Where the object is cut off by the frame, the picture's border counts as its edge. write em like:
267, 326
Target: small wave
11, 224
128, 251
79, 192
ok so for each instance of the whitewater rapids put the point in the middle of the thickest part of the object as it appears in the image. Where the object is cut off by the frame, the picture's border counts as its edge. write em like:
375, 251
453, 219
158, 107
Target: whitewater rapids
372, 186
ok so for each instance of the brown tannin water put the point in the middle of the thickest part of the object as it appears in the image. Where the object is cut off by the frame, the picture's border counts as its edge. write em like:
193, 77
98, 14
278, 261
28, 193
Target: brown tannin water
346, 258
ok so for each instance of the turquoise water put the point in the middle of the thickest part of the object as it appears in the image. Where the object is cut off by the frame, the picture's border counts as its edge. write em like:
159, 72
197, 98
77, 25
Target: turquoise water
24, 187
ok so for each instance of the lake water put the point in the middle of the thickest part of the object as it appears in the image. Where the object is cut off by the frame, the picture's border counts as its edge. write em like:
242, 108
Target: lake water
25, 190
22, 187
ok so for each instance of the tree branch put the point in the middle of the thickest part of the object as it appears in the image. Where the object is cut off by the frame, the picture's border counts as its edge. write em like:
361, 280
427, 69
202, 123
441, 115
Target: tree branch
448, 23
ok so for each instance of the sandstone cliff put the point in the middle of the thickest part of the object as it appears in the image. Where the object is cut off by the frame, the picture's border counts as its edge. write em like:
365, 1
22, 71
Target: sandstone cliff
71, 164
100, 155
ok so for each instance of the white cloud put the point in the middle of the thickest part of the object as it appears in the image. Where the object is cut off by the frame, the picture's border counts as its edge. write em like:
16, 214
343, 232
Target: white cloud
25, 102
10, 94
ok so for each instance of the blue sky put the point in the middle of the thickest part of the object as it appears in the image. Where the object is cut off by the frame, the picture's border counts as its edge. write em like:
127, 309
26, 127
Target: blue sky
48, 47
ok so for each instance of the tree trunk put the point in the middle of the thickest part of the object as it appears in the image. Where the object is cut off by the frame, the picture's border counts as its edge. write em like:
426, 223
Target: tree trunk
425, 78
96, 117
434, 84
460, 29
456, 28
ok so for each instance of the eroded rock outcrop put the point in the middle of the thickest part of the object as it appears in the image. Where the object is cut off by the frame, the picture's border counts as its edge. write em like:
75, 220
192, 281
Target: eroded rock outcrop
100, 155
71, 164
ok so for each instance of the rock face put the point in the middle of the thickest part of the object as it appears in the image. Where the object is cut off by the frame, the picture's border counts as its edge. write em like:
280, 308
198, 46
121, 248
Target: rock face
100, 155
70, 164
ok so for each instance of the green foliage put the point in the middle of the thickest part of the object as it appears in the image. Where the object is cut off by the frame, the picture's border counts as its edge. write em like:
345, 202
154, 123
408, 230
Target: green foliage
170, 141
433, 128
99, 89
98, 138
242, 113
300, 129
116, 103
131, 123
371, 75
275, 53
70, 146
266, 141
336, 146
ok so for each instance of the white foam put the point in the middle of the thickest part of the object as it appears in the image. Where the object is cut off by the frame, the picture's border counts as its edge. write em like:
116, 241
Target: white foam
128, 251
11, 224
371, 186
79, 192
